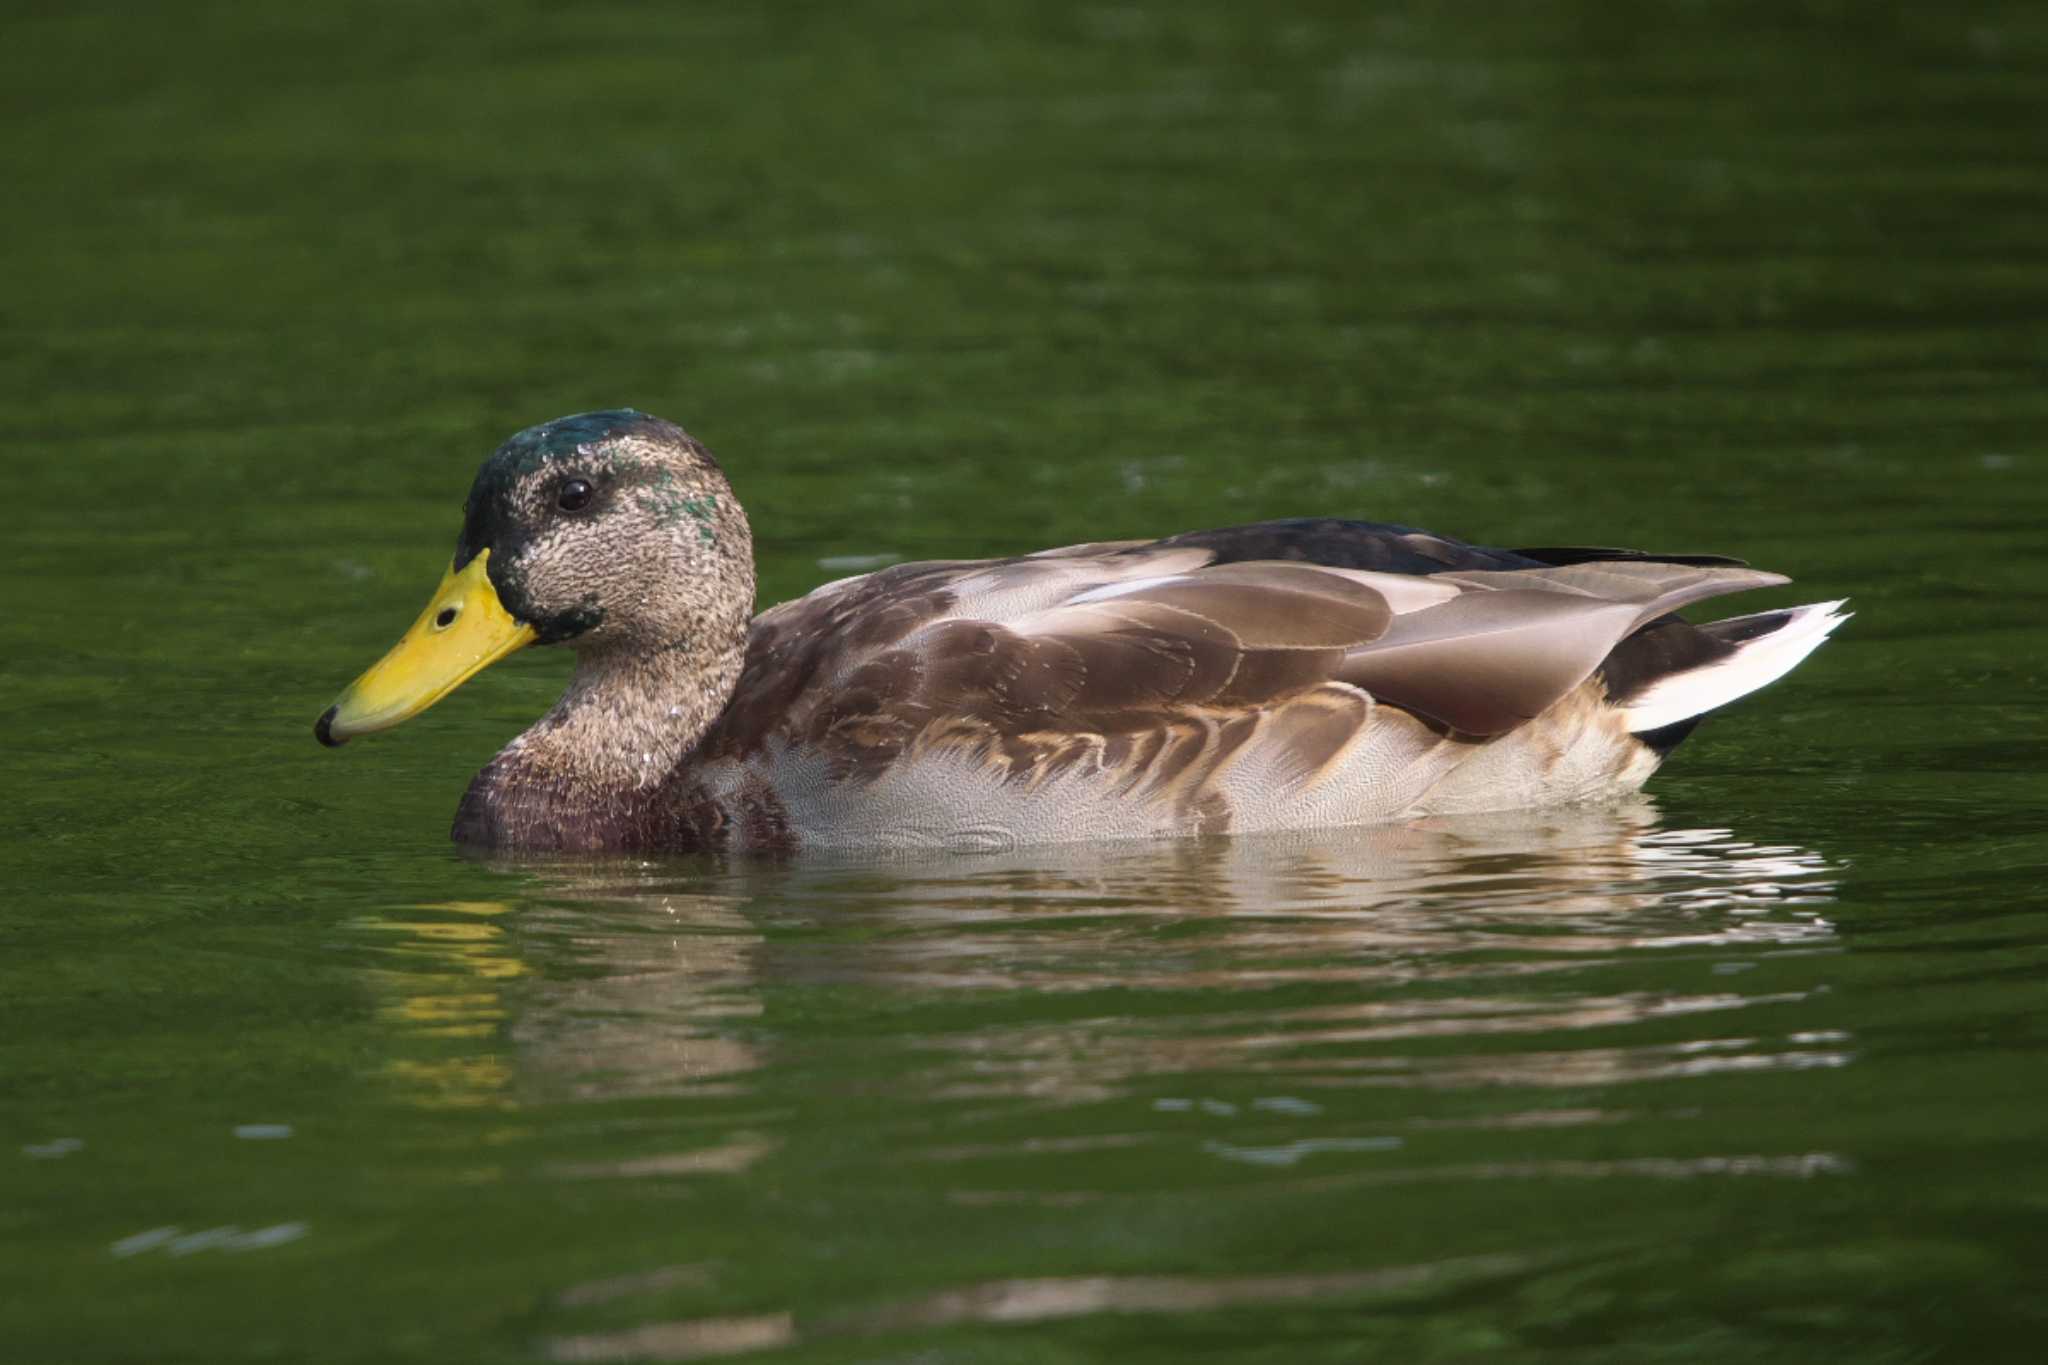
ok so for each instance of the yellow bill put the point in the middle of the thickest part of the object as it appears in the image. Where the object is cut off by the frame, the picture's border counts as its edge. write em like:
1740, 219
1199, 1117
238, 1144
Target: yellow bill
464, 629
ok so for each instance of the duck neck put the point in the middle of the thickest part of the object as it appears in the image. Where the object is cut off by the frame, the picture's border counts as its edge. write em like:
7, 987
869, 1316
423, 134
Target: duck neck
626, 720
582, 775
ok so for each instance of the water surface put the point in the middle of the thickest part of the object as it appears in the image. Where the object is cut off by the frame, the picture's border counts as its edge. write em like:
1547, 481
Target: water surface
1746, 1069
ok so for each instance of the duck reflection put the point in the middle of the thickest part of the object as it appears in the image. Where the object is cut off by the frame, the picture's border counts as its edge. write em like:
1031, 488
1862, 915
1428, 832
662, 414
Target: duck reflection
1573, 880
1084, 1038
640, 978
587, 983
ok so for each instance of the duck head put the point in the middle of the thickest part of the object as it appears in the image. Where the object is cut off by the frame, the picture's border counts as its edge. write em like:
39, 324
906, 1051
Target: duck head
614, 533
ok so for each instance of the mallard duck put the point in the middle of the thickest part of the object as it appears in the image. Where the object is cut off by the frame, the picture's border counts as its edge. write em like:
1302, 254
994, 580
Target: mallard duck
1284, 675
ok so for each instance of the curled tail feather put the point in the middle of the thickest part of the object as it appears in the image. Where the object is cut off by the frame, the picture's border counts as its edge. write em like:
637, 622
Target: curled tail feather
1762, 648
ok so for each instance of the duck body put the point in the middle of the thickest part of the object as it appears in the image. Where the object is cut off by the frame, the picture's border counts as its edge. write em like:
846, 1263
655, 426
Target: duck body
1283, 675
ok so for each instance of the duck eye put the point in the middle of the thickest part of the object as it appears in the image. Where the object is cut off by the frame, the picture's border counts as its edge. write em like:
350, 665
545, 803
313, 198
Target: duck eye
575, 495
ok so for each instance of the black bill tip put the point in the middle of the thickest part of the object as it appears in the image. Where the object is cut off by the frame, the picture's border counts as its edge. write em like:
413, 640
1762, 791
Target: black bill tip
323, 729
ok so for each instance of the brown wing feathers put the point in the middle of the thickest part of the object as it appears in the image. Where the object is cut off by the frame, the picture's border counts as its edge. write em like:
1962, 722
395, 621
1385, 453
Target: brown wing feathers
1167, 676
1515, 643
1151, 662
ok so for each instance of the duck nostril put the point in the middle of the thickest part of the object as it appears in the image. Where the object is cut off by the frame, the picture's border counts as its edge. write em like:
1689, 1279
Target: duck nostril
446, 618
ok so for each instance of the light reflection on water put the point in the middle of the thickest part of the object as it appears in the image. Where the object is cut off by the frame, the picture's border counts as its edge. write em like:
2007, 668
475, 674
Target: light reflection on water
1326, 1015
1023, 1300
617, 979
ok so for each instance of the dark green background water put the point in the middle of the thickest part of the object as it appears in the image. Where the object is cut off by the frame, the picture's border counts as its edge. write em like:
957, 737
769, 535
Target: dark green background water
1751, 1070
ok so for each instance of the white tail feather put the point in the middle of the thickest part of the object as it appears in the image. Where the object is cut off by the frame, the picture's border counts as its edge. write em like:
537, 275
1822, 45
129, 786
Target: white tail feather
1754, 664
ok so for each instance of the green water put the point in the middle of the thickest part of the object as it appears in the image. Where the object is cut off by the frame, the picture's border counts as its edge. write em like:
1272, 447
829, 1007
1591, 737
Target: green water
1751, 1070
